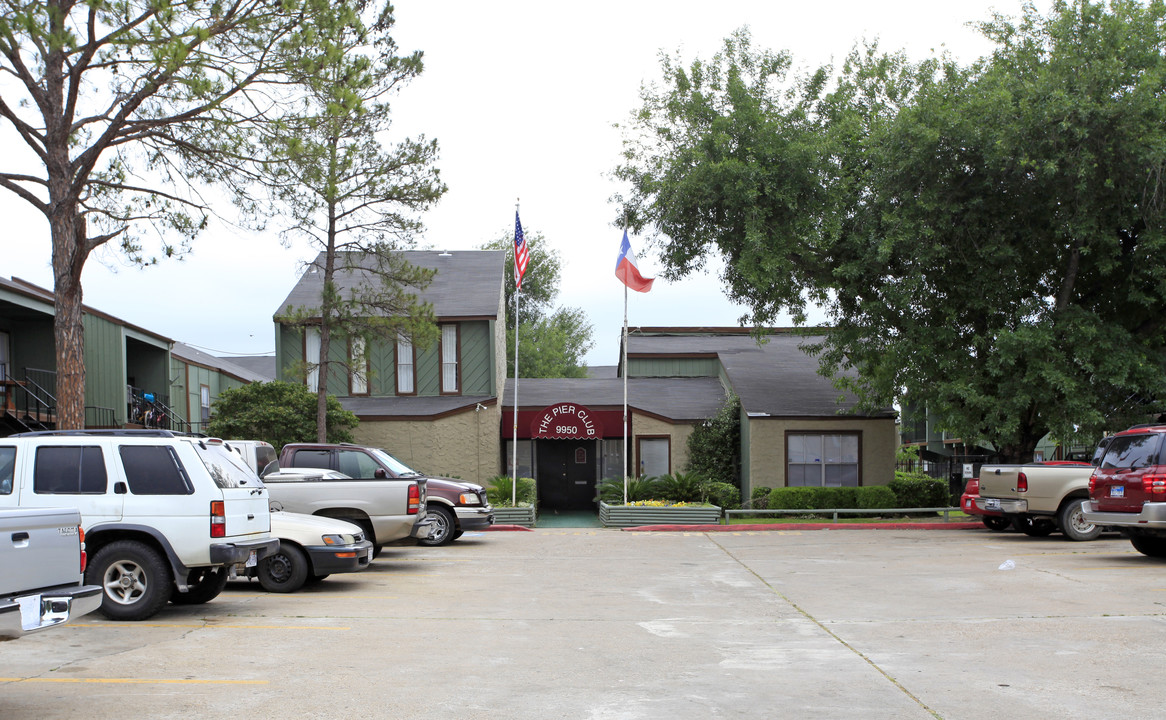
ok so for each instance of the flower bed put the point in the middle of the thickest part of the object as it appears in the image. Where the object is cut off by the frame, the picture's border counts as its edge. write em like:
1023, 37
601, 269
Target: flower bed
656, 512
521, 515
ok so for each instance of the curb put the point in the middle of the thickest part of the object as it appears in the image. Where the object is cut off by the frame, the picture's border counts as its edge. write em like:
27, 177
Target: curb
808, 526
510, 528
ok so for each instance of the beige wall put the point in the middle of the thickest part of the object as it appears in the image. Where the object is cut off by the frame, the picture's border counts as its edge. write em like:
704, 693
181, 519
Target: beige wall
678, 447
767, 447
465, 445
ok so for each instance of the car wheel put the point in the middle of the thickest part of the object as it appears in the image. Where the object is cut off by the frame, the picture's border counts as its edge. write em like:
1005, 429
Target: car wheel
1148, 545
285, 571
1034, 527
1073, 524
442, 527
205, 585
134, 579
369, 535
999, 524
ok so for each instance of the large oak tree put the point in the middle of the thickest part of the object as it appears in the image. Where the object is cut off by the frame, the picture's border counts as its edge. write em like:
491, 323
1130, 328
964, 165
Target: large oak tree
987, 239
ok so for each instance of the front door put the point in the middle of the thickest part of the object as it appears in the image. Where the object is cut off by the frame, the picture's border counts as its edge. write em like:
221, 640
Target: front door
566, 474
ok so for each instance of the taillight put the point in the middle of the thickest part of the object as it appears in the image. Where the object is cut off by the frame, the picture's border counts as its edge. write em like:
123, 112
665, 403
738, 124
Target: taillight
218, 519
1092, 483
1021, 482
84, 557
414, 499
1154, 484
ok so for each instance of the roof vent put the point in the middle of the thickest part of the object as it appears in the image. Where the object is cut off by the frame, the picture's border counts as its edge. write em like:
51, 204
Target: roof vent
445, 253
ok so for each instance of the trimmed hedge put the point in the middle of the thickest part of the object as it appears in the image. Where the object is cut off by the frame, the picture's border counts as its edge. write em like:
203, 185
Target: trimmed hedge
724, 495
873, 497
760, 498
915, 490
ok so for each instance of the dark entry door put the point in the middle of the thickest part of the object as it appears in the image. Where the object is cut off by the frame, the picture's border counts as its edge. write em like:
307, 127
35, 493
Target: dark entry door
566, 474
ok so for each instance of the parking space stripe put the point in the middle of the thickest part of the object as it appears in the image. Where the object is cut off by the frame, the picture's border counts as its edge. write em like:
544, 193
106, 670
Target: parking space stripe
214, 627
134, 681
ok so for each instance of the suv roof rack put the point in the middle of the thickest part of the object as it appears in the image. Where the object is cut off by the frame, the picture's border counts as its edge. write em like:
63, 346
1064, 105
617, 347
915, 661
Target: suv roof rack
110, 432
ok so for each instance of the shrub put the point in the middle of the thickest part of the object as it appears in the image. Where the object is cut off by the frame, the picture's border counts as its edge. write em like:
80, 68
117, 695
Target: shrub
760, 498
876, 497
916, 490
500, 491
682, 487
724, 495
792, 498
610, 490
714, 447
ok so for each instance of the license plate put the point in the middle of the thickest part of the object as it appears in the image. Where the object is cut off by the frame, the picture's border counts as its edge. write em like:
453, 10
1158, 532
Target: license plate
252, 560
1117, 490
991, 504
370, 554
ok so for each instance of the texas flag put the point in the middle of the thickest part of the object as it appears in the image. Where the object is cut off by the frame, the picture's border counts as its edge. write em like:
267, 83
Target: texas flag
628, 271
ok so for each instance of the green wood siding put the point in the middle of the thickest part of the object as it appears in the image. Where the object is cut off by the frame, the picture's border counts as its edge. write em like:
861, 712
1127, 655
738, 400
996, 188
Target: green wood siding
289, 352
673, 367
477, 368
105, 368
428, 371
382, 361
179, 397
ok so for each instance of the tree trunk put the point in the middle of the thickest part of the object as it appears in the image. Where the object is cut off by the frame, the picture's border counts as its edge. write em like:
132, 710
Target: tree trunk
68, 233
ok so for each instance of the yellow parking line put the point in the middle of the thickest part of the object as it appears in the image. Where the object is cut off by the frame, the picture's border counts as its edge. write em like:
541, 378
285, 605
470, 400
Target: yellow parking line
134, 681
215, 627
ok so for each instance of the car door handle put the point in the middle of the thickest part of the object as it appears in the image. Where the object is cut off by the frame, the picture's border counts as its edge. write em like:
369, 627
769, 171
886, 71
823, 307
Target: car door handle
18, 537
250, 516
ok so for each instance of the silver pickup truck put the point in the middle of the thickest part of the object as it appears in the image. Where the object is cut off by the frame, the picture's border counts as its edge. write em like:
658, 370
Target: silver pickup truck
42, 558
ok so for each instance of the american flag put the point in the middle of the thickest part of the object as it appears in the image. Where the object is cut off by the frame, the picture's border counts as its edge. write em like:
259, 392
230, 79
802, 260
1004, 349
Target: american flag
521, 252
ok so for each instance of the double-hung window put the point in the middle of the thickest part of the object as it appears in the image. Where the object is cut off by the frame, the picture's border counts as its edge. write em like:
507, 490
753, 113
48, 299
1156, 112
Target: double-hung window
449, 351
405, 382
312, 357
358, 364
826, 460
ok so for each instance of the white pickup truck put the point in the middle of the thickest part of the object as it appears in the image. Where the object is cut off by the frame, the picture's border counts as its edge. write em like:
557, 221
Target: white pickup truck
42, 558
1040, 497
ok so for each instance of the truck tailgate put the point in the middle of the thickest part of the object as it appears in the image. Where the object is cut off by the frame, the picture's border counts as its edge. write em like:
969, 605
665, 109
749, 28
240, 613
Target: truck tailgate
40, 549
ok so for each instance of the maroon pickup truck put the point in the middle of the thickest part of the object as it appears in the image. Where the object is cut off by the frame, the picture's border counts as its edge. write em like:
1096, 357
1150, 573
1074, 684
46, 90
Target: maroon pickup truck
454, 507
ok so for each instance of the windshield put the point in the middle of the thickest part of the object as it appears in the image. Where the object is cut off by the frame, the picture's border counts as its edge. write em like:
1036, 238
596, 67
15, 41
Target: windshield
227, 468
394, 465
1131, 452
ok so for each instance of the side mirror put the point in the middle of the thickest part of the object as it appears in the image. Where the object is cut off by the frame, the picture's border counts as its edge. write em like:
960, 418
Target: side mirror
271, 467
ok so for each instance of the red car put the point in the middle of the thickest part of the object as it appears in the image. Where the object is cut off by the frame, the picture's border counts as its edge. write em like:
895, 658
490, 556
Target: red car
992, 519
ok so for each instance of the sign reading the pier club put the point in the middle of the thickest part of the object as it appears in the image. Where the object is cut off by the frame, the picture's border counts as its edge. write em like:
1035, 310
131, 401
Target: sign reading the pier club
566, 421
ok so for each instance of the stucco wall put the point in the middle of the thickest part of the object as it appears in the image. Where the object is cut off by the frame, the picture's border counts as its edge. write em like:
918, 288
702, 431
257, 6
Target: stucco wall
767, 447
465, 445
647, 426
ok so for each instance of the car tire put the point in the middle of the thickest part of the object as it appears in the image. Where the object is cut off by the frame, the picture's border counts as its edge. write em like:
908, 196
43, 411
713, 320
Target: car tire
284, 571
134, 579
1071, 520
1149, 546
1034, 526
205, 585
443, 526
369, 535
998, 524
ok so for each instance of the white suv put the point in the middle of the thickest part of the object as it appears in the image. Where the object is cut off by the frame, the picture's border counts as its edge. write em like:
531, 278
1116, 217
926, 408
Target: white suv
167, 517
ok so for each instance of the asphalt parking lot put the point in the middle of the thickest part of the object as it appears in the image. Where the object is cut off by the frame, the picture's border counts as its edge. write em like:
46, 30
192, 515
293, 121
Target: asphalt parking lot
607, 624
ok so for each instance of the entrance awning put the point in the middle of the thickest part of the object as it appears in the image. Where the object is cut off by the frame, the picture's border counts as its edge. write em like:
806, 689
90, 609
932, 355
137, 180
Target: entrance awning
563, 421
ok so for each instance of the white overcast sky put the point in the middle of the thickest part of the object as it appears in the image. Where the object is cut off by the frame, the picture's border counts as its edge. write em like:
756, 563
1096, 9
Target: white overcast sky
522, 97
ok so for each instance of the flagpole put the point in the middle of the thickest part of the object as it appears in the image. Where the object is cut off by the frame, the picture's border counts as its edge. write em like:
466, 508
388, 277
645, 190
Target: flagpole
514, 429
625, 393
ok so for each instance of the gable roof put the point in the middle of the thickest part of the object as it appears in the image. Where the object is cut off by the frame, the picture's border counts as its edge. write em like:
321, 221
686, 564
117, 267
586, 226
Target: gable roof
468, 283
194, 356
778, 378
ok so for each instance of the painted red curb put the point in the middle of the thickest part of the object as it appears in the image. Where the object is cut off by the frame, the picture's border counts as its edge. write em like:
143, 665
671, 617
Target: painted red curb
809, 526
510, 528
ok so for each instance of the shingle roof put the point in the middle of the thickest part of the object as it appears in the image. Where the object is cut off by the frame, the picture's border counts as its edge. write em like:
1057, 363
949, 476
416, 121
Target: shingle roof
468, 283
189, 354
261, 365
412, 406
672, 398
778, 378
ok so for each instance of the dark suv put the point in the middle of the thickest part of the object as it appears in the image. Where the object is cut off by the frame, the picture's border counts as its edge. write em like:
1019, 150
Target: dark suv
454, 507
1127, 490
